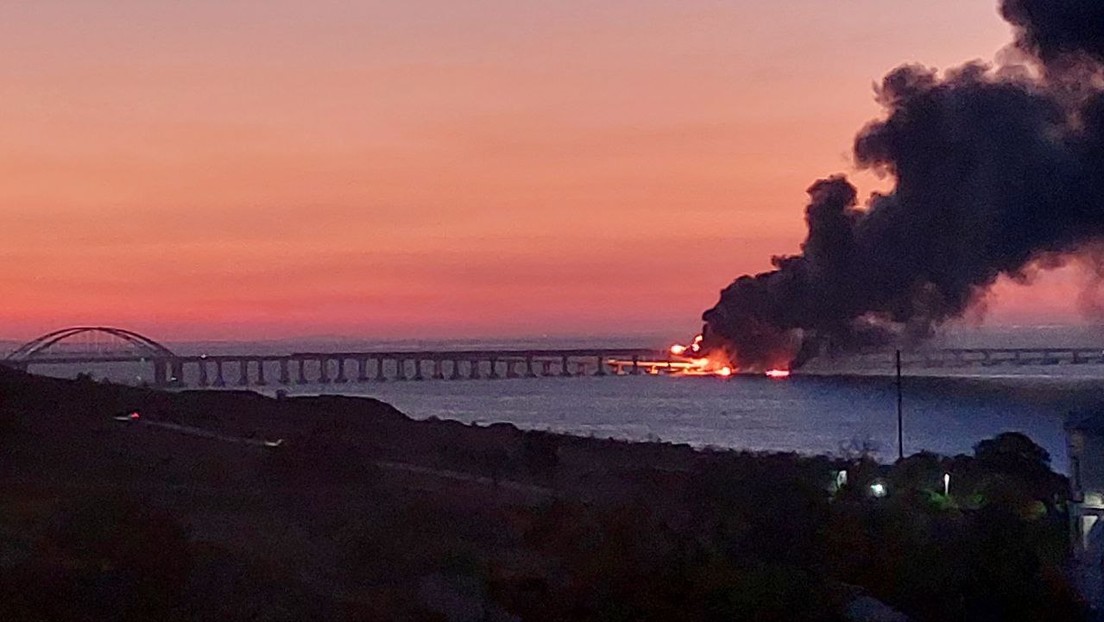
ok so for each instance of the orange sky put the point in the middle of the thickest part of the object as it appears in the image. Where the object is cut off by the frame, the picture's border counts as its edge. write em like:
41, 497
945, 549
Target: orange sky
245, 169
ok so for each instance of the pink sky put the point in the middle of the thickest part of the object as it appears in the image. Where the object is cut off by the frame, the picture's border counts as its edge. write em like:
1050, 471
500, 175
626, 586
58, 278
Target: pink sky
234, 169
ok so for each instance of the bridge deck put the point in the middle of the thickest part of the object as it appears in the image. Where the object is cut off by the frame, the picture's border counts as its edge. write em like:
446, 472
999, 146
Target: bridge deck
253, 369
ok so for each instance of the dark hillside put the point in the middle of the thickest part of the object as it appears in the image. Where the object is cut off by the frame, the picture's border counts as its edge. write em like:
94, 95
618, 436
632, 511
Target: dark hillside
362, 513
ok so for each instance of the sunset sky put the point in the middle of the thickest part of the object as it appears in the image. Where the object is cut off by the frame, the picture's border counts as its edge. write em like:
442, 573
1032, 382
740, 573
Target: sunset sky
433, 168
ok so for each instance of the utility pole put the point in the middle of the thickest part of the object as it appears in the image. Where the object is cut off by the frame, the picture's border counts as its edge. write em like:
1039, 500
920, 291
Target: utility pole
900, 431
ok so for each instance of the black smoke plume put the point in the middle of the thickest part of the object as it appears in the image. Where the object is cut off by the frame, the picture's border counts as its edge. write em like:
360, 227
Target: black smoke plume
998, 171
1058, 30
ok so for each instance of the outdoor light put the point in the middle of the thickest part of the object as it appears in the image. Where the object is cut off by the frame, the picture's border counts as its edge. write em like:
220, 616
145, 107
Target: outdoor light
878, 489
946, 484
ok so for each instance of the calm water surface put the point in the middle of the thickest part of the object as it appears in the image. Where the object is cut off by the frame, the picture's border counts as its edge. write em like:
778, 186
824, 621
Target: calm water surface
807, 414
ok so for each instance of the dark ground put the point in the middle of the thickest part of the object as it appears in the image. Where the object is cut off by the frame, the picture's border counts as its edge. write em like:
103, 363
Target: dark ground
364, 514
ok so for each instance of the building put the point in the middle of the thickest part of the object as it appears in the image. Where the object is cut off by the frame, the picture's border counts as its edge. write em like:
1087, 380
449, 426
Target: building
1085, 435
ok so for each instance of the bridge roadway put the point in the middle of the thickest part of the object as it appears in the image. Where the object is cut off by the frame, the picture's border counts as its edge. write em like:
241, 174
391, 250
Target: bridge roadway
341, 367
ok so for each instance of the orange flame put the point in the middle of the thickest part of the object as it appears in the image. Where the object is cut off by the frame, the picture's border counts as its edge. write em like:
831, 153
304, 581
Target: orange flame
778, 374
686, 364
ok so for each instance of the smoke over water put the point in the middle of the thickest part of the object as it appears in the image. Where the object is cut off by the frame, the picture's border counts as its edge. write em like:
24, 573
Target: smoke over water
997, 170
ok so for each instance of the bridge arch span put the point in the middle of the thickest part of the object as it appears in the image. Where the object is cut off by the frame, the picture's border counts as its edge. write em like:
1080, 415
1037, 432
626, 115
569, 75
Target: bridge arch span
41, 346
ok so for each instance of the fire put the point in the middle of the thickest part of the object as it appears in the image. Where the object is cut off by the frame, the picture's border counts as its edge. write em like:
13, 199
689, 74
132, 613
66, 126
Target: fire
680, 350
690, 363
694, 360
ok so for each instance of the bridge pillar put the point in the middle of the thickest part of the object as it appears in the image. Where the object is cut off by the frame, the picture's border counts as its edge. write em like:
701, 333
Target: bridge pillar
438, 370
203, 380
494, 369
362, 370
160, 373
285, 375
220, 380
379, 369
243, 373
565, 369
635, 365
601, 367
302, 379
511, 368
400, 369
418, 369
580, 368
473, 369
529, 373
341, 371
324, 370
1076, 357
176, 372
455, 370
260, 373
546, 368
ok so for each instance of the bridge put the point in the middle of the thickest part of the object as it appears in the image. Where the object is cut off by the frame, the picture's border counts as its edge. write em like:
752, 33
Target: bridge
100, 344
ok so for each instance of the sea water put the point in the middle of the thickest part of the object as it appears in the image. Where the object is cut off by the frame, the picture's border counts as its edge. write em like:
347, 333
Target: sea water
824, 413
805, 414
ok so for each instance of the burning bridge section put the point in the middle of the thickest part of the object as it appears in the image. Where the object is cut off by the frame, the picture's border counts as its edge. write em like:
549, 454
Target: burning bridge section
998, 170
694, 360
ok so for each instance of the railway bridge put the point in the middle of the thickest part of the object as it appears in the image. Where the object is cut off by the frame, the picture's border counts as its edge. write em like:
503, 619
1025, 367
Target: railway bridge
82, 345
86, 345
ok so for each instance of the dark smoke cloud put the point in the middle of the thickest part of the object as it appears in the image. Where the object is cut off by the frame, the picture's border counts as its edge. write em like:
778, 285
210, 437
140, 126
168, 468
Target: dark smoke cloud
997, 173
1056, 29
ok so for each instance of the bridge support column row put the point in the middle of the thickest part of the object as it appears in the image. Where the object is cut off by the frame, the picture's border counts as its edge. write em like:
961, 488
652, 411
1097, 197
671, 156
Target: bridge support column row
170, 371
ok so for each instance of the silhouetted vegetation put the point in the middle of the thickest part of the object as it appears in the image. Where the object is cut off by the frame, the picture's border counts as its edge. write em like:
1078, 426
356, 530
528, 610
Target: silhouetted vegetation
364, 514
